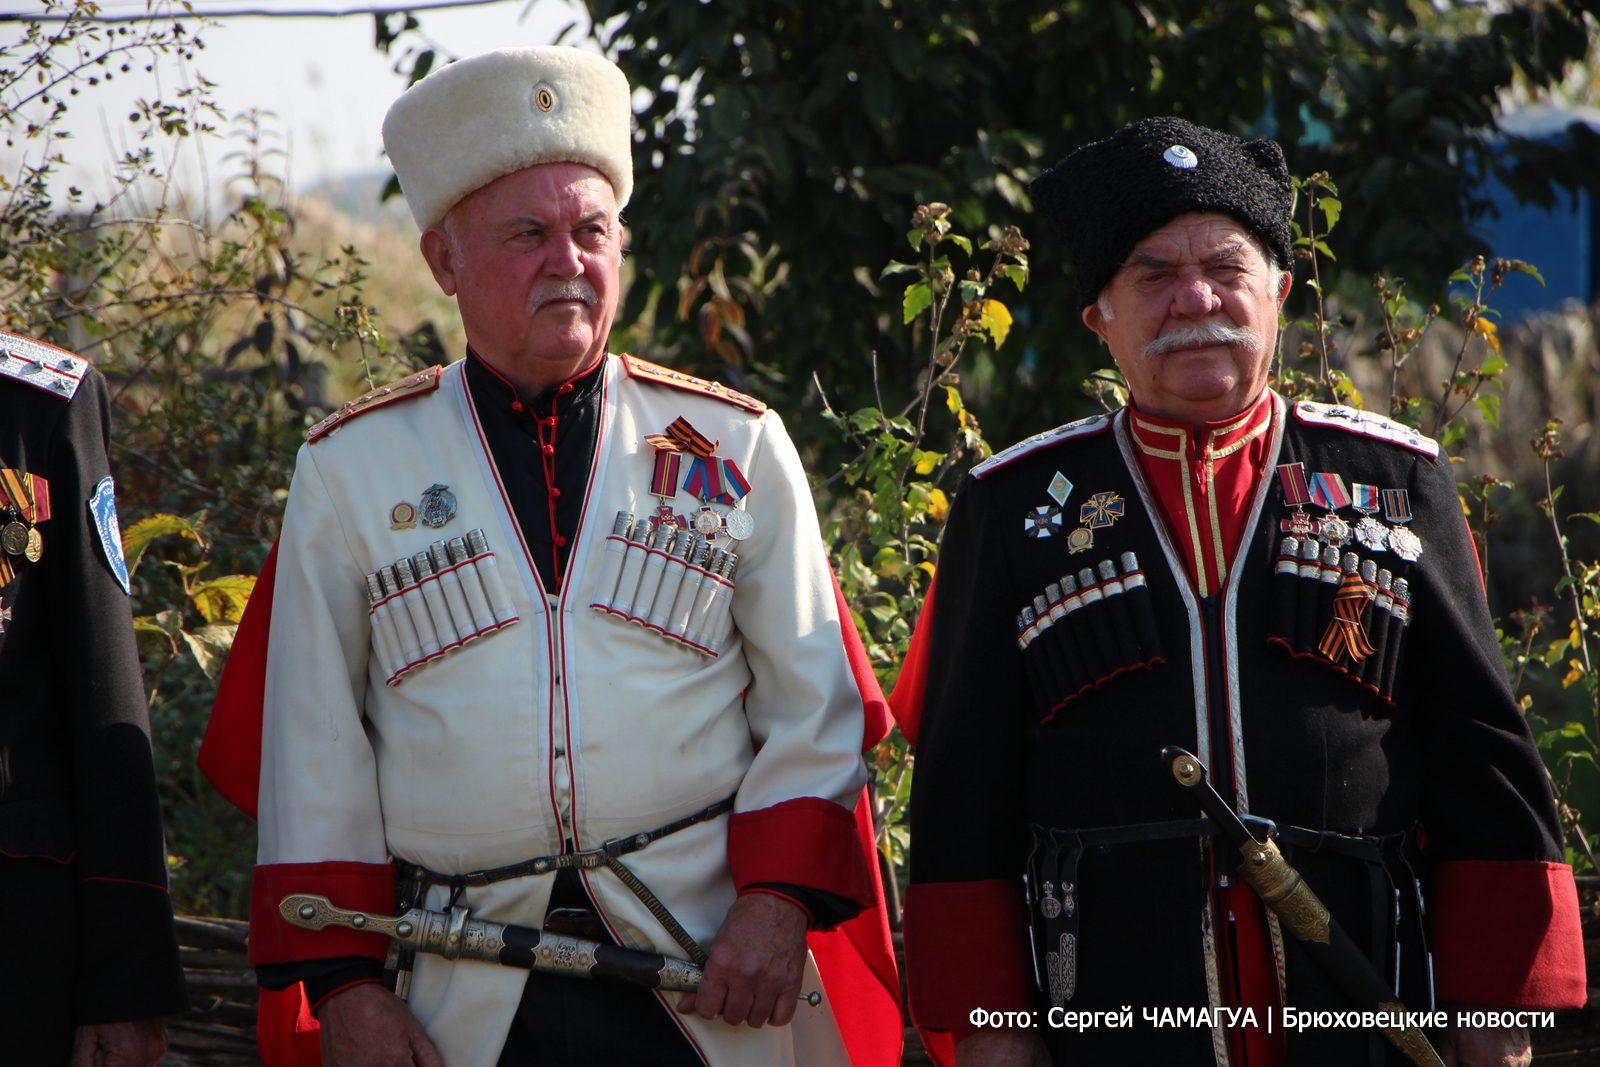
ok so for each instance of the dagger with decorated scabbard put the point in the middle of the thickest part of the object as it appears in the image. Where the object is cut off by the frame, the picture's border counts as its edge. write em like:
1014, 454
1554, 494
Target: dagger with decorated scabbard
455, 935
1300, 912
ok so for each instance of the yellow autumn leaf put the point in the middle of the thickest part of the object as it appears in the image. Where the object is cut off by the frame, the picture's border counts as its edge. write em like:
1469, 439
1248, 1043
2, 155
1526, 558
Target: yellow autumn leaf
938, 505
1572, 675
1489, 332
926, 566
997, 320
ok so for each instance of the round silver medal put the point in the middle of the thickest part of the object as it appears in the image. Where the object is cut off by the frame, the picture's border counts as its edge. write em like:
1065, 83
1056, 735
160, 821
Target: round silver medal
14, 537
1404, 543
739, 523
1050, 906
1372, 534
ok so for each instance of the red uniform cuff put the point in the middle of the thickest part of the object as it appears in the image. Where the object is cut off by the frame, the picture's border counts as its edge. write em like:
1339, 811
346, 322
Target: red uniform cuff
810, 918
357, 886
947, 978
807, 841
332, 992
1507, 933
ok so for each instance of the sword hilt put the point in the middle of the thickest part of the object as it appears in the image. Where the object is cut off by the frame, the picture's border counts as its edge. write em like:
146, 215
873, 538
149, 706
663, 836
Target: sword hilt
456, 935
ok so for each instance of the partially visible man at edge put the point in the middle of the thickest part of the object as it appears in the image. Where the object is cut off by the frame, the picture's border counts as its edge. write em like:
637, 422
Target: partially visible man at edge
91, 965
518, 730
1287, 590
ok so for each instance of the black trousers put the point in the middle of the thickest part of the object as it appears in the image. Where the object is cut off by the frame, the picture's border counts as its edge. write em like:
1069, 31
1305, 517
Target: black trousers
565, 1022
37, 972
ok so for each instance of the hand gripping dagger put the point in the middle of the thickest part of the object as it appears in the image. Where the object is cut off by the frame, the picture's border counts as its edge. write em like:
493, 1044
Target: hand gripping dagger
1298, 909
456, 936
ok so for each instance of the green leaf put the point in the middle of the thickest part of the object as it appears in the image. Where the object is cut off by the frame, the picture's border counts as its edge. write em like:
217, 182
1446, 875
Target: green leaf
889, 563
915, 237
1322, 246
925, 462
1489, 408
1592, 516
209, 645
137, 538
952, 399
1530, 270
1330, 210
917, 299
896, 267
223, 600
1017, 274
996, 319
964, 243
1492, 365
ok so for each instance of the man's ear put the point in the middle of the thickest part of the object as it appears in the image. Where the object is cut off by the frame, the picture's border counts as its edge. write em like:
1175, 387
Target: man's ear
1285, 283
439, 249
1095, 319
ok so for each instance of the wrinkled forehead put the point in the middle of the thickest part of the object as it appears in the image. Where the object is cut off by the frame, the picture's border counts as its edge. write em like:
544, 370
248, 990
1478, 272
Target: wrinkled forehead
1198, 237
554, 194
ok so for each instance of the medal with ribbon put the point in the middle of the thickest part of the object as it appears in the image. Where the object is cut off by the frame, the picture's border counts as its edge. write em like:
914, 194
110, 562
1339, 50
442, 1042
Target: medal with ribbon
712, 479
24, 503
1327, 491
1372, 534
1297, 494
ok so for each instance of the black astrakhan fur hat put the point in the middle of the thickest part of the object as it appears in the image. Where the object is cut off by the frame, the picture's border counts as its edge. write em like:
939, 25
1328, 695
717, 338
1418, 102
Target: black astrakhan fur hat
1106, 197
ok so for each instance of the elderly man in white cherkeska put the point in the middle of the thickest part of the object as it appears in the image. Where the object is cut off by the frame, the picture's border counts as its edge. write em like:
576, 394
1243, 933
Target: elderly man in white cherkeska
660, 657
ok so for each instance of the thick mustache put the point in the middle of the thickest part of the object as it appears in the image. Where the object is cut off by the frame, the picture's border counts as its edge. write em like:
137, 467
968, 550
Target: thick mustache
571, 289
1213, 333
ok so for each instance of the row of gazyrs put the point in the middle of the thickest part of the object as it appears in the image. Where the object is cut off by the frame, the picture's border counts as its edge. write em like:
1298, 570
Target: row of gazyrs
669, 580
1312, 578
427, 605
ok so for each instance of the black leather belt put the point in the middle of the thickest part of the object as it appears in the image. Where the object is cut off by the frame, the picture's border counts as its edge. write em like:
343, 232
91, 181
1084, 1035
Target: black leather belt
607, 855
1053, 894
588, 859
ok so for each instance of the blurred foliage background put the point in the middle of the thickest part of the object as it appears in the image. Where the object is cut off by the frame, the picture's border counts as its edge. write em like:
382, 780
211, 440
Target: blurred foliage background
788, 154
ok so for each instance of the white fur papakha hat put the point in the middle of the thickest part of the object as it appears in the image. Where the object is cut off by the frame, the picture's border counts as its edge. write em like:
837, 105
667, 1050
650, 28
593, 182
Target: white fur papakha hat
479, 119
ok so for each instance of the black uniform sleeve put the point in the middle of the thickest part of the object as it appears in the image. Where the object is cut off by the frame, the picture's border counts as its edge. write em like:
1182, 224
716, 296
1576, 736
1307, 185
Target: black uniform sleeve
128, 965
1485, 794
968, 815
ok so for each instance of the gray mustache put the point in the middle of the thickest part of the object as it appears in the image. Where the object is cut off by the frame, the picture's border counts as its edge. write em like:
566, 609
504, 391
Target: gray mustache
571, 289
1210, 333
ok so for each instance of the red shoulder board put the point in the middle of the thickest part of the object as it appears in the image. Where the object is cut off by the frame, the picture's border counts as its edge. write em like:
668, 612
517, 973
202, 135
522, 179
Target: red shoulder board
422, 382
638, 368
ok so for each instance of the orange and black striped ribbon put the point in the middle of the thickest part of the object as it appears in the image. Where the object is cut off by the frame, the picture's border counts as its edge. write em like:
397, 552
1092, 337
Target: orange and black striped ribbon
1344, 636
27, 493
682, 437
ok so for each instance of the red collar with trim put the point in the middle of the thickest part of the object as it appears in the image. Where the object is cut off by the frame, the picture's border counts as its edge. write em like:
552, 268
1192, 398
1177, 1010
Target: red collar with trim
1204, 477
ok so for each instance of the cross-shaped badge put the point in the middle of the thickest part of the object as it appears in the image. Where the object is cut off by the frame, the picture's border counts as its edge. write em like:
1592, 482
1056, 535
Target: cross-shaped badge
1102, 510
1043, 521
665, 516
1298, 524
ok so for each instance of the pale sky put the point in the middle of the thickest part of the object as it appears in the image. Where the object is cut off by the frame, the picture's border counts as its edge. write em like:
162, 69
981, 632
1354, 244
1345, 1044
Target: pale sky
327, 84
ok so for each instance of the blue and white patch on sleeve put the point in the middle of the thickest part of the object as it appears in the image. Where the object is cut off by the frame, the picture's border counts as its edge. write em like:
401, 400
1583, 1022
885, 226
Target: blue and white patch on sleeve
103, 510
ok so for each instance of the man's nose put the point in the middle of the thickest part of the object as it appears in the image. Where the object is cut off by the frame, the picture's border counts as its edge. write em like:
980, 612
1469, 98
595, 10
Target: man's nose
1194, 298
561, 256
